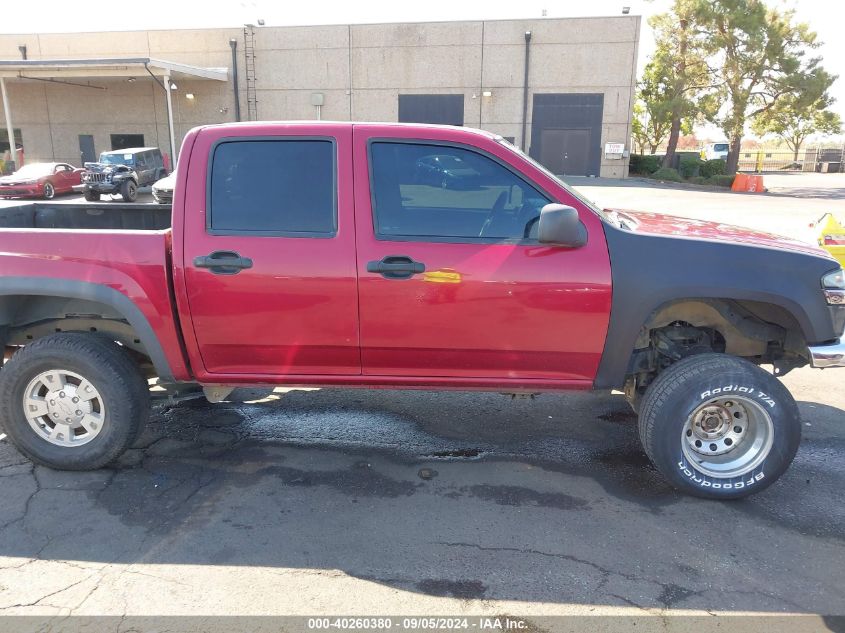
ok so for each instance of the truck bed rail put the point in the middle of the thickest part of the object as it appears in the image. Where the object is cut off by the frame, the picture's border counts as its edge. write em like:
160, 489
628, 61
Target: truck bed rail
105, 215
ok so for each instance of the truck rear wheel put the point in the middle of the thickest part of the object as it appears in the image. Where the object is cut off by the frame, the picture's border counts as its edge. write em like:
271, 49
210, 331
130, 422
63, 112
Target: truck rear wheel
128, 190
719, 427
73, 401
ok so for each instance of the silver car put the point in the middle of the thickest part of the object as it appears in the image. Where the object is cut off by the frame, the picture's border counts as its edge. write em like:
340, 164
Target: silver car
163, 189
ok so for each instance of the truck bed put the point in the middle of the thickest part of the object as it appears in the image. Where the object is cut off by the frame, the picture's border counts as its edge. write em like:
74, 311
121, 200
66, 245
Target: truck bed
126, 270
94, 215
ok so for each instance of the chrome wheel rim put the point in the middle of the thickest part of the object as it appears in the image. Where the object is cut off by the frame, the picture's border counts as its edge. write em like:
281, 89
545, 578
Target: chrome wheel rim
728, 436
64, 408
49, 191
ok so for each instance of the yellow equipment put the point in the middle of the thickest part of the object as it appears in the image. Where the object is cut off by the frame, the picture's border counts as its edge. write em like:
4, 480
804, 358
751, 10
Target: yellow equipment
832, 236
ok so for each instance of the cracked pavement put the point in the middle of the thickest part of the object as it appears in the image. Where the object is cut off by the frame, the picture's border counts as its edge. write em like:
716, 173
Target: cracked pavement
408, 502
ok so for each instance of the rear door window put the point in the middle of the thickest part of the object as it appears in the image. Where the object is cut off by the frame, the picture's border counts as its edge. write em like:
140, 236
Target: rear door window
273, 187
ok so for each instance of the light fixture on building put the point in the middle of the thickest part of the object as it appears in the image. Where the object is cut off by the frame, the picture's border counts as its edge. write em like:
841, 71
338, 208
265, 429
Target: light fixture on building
626, 10
189, 95
173, 86
131, 79
487, 93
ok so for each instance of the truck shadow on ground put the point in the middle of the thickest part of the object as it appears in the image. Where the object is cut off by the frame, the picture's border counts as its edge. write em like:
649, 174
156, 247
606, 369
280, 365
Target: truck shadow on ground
469, 495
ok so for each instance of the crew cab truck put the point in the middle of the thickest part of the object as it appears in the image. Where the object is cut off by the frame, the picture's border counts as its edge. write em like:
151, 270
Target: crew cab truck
319, 254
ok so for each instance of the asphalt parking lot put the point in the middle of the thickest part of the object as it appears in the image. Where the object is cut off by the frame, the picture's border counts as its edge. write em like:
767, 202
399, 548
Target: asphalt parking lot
410, 502
792, 203
363, 502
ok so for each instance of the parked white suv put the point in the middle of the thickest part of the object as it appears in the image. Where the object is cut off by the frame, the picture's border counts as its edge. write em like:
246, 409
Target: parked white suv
714, 150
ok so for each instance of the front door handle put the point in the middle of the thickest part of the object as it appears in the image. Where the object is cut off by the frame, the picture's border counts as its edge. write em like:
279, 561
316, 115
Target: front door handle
396, 267
223, 262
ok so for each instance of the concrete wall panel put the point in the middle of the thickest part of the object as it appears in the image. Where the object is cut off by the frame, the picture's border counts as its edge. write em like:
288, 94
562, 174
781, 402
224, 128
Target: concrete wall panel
308, 68
302, 37
589, 31
84, 45
554, 65
295, 105
416, 34
416, 67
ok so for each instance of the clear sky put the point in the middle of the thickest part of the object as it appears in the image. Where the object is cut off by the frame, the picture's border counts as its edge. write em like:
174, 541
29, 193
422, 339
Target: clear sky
826, 17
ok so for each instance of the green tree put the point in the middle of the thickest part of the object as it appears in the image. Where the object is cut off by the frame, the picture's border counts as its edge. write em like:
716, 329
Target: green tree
793, 120
762, 56
679, 65
639, 126
650, 126
652, 123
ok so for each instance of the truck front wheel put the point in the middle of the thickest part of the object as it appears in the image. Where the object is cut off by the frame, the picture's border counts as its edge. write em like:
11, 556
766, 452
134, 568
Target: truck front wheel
719, 427
128, 190
72, 401
92, 196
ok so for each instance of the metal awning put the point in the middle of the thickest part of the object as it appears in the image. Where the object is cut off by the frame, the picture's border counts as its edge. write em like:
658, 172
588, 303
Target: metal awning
68, 70
105, 67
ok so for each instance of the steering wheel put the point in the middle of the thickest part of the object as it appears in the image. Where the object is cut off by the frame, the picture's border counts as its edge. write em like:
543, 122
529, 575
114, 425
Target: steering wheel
498, 207
529, 226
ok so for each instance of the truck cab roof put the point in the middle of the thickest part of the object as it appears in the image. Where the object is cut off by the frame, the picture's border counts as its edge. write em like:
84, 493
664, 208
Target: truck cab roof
335, 124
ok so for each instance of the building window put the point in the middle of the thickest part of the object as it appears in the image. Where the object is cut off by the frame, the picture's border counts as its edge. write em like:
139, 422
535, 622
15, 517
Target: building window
429, 192
441, 109
282, 187
124, 141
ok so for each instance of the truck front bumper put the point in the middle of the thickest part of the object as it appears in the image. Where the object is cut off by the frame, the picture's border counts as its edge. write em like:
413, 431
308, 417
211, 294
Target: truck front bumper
101, 187
829, 355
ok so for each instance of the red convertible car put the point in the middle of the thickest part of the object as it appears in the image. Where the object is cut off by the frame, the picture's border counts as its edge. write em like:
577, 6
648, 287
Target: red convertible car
40, 180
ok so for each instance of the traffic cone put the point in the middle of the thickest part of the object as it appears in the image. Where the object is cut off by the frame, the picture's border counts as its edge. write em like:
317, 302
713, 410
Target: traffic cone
740, 183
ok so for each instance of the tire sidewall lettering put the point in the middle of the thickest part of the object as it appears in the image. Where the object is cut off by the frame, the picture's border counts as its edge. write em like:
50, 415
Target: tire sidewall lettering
706, 481
761, 396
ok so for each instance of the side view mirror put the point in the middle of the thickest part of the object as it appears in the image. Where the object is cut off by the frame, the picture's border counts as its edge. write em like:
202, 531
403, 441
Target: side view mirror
560, 225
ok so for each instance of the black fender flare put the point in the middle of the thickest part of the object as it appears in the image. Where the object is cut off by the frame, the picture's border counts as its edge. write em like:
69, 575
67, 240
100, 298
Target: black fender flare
73, 289
649, 271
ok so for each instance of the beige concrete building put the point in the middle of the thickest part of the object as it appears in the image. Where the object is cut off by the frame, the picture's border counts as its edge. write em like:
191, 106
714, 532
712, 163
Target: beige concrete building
72, 96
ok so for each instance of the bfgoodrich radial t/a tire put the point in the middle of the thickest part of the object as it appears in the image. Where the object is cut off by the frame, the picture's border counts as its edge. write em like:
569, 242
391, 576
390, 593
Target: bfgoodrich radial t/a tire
718, 426
72, 401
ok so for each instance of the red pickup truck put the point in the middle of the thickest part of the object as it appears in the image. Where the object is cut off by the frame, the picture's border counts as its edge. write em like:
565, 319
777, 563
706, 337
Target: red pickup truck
412, 256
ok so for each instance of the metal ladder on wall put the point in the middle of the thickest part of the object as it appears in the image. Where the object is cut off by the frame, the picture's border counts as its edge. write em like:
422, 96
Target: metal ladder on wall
249, 59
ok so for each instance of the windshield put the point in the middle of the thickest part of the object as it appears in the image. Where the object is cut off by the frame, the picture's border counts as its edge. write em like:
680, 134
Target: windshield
589, 203
116, 159
720, 147
34, 170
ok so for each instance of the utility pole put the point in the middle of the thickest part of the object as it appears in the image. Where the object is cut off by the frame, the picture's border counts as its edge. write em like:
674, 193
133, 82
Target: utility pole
10, 131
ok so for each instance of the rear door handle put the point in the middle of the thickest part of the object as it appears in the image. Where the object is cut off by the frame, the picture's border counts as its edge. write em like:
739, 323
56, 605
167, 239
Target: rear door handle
396, 267
223, 262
